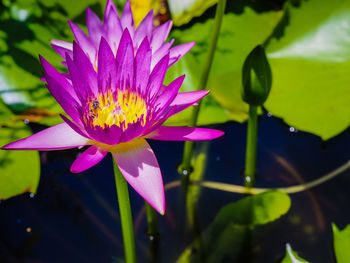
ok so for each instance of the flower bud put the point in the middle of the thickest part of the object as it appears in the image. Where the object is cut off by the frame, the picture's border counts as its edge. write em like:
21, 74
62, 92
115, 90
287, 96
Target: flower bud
256, 77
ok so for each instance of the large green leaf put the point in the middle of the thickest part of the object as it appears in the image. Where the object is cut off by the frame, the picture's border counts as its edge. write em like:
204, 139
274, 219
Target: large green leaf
310, 65
235, 42
20, 170
292, 256
341, 243
182, 11
225, 237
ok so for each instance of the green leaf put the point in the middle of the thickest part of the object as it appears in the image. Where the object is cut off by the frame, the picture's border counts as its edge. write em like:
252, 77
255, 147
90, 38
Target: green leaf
183, 11
20, 170
292, 256
234, 44
254, 210
225, 237
341, 243
310, 64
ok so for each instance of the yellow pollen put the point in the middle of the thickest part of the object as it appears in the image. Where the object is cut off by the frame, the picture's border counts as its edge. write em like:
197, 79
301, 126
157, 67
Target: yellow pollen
128, 108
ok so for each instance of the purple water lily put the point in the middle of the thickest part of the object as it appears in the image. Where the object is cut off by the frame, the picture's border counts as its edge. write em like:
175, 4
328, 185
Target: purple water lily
115, 98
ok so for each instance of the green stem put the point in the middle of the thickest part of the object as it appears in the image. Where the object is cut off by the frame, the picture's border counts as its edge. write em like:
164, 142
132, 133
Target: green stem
189, 145
153, 229
125, 215
252, 139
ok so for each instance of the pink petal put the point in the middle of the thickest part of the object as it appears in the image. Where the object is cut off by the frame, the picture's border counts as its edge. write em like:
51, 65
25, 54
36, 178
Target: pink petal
144, 29
94, 26
113, 28
87, 159
157, 76
57, 137
179, 51
84, 41
184, 134
142, 66
127, 20
140, 168
160, 53
62, 48
189, 97
160, 34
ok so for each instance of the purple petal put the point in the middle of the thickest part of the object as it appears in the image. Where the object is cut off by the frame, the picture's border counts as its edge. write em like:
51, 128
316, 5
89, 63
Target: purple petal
57, 137
62, 96
94, 26
179, 51
62, 48
160, 34
75, 127
140, 168
127, 20
160, 53
88, 158
109, 6
169, 93
157, 76
84, 41
184, 134
186, 99
125, 61
107, 67
113, 28
190, 98
58, 77
142, 66
144, 29
85, 68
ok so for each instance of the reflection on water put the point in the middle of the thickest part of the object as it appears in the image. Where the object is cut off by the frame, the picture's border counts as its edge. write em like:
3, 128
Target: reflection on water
74, 218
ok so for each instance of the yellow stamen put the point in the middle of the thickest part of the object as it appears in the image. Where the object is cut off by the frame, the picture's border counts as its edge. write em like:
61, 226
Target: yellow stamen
121, 147
128, 108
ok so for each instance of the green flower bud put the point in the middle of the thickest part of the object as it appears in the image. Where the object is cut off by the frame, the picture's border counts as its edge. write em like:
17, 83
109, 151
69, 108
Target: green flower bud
256, 77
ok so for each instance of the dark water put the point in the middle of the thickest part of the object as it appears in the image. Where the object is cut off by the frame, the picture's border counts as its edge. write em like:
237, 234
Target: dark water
74, 218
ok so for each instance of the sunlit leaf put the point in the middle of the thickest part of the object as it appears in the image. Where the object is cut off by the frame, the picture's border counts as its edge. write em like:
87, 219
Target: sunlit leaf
182, 11
292, 256
341, 243
310, 64
234, 44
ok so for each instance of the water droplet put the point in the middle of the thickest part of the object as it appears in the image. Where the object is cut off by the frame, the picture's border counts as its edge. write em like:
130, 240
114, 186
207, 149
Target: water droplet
269, 114
26, 121
151, 238
31, 195
292, 129
248, 179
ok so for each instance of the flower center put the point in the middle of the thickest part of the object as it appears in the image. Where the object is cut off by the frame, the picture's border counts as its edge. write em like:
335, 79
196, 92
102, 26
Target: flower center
121, 109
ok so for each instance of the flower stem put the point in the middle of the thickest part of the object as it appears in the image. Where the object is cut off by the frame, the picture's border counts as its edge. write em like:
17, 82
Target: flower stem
189, 145
125, 215
153, 229
252, 140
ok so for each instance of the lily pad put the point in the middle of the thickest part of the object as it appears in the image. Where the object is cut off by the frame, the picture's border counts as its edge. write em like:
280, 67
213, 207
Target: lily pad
183, 11
224, 238
310, 64
20, 170
341, 243
292, 256
234, 44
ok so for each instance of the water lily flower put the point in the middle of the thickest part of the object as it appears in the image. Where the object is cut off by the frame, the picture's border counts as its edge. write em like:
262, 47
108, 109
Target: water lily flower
116, 100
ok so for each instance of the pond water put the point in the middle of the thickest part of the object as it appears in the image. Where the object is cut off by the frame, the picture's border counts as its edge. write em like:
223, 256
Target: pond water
74, 218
